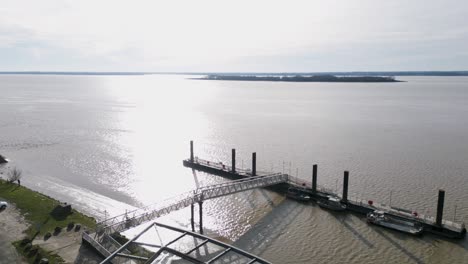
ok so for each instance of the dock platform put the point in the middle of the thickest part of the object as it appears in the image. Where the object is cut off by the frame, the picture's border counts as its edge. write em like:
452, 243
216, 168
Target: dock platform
437, 225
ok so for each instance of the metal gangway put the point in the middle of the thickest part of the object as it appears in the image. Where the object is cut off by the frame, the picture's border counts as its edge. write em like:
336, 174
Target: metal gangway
139, 216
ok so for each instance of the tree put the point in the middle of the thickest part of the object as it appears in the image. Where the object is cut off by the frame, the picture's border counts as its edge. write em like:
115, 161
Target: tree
14, 174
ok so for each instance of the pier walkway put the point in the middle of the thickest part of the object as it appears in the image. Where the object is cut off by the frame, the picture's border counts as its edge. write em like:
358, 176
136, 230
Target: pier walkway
139, 216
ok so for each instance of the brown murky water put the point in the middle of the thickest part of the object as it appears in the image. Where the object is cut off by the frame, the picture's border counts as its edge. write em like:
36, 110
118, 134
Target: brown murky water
108, 143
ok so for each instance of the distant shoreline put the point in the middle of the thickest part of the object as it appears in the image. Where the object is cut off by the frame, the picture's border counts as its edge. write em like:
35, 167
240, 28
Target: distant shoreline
299, 78
352, 73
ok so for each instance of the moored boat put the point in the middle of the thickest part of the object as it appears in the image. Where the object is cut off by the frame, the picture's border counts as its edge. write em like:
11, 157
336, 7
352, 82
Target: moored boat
298, 194
332, 203
403, 225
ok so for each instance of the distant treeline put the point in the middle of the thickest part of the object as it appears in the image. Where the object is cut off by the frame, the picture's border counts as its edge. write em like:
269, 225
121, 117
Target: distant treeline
362, 73
300, 78
72, 73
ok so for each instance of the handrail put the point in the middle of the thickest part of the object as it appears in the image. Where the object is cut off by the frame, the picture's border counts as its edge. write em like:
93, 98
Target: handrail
140, 215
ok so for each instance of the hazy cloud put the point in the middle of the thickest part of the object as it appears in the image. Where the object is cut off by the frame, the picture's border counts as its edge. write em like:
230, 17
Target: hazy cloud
234, 35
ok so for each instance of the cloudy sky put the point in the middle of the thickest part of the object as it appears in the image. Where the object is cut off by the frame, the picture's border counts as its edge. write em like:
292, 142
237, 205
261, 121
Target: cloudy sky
173, 35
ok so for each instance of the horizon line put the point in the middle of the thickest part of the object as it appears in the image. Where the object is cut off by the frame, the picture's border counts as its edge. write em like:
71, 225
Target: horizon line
414, 73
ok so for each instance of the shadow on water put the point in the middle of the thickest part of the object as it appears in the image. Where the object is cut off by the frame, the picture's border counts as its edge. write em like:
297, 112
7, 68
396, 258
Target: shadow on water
250, 200
267, 198
463, 243
247, 194
399, 247
195, 178
344, 219
270, 227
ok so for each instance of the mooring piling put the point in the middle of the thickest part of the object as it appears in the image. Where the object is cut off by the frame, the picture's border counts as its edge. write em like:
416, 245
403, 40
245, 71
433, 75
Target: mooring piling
254, 164
192, 222
233, 160
440, 207
191, 150
314, 178
200, 204
345, 186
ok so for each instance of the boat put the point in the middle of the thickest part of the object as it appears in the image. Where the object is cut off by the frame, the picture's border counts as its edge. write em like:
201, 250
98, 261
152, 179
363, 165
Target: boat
332, 203
381, 218
298, 194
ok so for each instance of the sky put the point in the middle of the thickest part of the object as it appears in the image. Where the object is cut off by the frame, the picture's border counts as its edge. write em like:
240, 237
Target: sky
235, 36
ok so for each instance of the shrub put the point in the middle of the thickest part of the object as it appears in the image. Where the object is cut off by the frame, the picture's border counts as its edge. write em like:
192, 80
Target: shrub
27, 247
25, 241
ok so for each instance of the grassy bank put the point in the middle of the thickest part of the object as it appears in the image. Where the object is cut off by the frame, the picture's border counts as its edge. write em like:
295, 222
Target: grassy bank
36, 208
41, 253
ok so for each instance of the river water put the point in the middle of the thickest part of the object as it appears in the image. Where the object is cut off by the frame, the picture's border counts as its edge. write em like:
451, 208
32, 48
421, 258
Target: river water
111, 143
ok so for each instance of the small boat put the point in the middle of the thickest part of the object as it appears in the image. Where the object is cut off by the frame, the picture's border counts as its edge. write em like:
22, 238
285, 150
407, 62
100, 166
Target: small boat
403, 225
332, 203
298, 194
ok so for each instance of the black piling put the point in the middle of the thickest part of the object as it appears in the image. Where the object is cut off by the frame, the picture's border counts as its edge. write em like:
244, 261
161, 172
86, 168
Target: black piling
191, 150
314, 178
192, 222
234, 160
440, 208
345, 186
200, 204
254, 164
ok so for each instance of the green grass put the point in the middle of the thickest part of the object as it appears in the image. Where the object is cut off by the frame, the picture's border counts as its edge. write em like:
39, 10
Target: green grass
41, 253
36, 208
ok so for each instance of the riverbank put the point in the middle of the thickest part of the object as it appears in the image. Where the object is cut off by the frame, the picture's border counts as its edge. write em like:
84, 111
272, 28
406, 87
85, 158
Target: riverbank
28, 217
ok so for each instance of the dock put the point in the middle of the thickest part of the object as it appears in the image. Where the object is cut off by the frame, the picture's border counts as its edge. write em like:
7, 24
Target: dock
437, 225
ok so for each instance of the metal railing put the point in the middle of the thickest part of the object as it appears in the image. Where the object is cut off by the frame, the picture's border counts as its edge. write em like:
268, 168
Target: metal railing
224, 254
136, 217
225, 167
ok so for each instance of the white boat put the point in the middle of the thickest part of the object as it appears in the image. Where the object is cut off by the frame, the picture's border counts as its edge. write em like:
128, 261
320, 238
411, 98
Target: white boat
403, 225
332, 203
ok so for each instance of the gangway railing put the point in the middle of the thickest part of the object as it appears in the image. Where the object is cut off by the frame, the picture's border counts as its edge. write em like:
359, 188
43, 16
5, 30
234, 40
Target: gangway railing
139, 216
225, 167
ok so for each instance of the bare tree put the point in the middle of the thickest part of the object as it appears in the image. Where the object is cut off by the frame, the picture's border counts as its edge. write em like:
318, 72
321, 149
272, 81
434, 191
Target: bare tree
14, 174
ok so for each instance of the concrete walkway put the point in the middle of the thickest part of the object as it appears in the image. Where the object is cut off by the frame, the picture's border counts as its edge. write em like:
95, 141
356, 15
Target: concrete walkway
12, 226
67, 244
